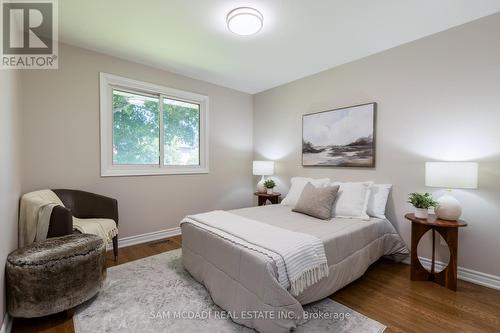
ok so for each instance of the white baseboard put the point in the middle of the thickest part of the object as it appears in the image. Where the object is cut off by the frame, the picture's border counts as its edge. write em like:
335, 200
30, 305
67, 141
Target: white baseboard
465, 274
7, 324
149, 237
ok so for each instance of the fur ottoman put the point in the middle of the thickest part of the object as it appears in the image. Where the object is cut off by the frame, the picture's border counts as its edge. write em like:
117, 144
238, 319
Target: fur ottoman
54, 275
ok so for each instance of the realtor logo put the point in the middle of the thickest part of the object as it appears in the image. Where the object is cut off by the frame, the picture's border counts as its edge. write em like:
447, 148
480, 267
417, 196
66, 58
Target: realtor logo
29, 34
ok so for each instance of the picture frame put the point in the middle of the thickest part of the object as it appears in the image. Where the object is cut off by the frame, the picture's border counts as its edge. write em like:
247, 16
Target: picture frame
343, 137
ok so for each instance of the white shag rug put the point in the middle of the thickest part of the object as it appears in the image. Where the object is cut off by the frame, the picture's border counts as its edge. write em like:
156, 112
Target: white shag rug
149, 296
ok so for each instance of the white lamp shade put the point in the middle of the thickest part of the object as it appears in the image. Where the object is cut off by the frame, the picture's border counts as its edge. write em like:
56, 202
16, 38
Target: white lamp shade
451, 174
263, 168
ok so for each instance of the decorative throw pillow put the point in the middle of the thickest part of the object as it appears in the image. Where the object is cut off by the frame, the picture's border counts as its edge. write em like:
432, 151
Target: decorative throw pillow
352, 200
298, 184
378, 200
317, 201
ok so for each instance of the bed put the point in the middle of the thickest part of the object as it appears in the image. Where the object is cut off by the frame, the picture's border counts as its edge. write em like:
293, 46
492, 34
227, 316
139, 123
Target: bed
243, 282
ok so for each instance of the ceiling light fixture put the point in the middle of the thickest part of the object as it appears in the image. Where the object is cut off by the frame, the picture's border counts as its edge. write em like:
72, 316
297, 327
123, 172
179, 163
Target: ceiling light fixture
244, 21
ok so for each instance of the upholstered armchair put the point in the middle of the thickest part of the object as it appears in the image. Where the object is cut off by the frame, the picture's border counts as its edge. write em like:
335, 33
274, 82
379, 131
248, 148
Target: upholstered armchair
82, 205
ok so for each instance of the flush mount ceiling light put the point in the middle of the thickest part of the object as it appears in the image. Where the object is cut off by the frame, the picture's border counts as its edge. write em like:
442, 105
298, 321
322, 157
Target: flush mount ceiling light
244, 21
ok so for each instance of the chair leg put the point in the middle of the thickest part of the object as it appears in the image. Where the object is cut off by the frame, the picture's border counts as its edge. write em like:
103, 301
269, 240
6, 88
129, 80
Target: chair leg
115, 247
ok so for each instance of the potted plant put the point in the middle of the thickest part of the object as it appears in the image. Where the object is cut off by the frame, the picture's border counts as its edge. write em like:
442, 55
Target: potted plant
422, 202
269, 185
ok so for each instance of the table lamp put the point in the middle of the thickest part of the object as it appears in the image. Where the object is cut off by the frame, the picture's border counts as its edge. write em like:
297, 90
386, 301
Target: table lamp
450, 175
262, 168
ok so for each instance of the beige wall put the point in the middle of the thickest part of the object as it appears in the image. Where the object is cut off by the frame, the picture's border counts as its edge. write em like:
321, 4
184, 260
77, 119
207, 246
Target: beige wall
438, 99
9, 172
60, 145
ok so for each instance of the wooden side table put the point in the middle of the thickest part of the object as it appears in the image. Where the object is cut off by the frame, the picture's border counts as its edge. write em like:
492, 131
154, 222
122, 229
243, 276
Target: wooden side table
263, 197
449, 231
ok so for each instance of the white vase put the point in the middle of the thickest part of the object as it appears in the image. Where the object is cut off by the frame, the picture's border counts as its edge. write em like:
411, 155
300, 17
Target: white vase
448, 208
269, 191
421, 213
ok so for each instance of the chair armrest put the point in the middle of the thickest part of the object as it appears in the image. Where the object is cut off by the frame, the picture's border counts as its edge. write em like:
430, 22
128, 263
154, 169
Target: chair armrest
61, 222
86, 205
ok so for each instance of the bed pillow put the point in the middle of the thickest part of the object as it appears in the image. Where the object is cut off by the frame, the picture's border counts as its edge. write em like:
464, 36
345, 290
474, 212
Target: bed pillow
317, 201
298, 184
378, 200
352, 200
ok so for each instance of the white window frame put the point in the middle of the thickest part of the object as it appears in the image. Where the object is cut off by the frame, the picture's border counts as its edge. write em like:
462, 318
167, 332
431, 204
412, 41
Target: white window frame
108, 82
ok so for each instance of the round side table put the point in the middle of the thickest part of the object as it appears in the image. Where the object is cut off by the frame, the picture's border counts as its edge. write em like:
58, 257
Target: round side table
263, 197
449, 231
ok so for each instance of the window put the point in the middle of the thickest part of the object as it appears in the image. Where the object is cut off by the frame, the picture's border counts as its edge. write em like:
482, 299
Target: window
148, 129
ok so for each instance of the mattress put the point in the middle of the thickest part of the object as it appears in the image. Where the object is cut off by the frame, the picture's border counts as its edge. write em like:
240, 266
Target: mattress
243, 281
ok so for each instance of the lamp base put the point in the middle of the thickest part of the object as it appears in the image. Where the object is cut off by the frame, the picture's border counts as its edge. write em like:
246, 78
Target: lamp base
448, 208
260, 185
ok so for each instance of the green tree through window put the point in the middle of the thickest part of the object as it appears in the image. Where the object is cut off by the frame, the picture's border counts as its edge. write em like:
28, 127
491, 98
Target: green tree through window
136, 130
181, 121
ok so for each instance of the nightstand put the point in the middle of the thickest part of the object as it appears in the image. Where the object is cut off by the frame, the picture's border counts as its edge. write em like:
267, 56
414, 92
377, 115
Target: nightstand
449, 231
263, 197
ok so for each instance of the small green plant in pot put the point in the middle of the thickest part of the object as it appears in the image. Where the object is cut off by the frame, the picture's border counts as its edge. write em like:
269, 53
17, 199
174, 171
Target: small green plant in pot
422, 202
269, 185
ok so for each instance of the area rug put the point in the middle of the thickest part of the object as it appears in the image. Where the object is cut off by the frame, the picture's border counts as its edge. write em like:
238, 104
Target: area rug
156, 294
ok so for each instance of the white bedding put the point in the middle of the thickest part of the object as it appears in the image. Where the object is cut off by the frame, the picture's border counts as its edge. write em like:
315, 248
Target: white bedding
341, 237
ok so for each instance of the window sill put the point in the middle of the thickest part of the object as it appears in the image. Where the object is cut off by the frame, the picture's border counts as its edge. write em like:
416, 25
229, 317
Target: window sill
153, 172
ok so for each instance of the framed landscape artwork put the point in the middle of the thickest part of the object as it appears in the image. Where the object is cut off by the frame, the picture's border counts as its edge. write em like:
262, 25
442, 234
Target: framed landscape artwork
342, 137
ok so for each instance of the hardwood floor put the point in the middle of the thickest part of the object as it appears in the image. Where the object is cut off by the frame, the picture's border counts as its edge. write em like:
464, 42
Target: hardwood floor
385, 293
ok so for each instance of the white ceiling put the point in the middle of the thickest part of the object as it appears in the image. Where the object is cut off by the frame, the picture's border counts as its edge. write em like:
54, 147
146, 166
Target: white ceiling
299, 38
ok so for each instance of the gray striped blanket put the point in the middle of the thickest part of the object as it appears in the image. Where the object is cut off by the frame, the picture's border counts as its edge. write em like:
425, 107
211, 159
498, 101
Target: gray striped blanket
299, 258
